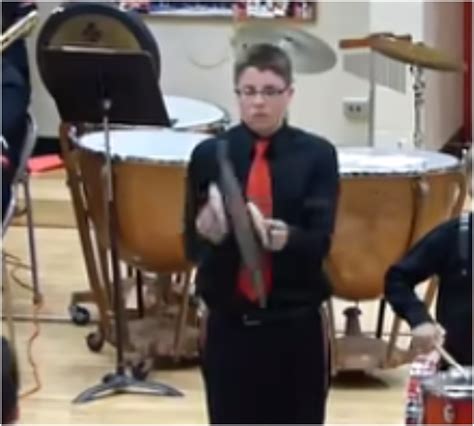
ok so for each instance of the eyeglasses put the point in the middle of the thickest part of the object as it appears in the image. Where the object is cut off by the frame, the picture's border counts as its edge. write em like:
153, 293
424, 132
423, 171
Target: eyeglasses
267, 92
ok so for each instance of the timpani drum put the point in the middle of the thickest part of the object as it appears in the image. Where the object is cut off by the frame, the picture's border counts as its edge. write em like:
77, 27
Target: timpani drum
195, 115
388, 200
447, 399
149, 167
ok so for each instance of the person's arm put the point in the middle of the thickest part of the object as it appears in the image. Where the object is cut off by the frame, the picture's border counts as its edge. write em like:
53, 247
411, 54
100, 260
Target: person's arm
205, 222
313, 235
422, 262
195, 199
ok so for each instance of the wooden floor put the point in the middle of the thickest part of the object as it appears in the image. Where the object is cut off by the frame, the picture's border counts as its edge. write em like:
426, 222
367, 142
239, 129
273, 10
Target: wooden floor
67, 367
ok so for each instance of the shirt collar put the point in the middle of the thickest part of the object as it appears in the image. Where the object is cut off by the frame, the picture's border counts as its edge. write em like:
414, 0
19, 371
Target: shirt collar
278, 140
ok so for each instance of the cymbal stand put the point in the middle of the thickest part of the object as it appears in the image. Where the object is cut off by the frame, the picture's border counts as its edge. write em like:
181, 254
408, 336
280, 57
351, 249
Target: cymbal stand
418, 90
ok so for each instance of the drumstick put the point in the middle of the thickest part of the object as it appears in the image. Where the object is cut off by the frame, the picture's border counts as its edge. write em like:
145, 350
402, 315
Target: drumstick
450, 360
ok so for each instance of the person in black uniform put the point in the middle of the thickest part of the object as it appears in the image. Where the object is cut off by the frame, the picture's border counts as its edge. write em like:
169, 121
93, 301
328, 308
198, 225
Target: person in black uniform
264, 365
445, 252
16, 93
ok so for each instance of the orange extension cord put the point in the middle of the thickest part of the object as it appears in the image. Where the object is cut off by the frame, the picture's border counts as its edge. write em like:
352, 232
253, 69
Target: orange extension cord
16, 265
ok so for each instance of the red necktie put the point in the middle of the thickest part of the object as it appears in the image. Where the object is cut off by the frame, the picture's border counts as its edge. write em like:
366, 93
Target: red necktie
259, 191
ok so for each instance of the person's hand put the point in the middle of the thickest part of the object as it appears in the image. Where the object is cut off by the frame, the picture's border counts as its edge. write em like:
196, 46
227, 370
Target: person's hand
211, 222
426, 336
273, 233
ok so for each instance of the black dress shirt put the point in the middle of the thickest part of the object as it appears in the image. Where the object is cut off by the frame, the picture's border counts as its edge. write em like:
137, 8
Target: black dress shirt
305, 187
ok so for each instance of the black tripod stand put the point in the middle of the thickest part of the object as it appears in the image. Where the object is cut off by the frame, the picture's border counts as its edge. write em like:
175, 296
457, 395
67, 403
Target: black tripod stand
105, 86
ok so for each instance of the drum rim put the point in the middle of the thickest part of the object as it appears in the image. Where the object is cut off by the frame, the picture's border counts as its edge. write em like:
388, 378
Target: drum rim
441, 393
358, 175
224, 119
457, 166
437, 384
117, 159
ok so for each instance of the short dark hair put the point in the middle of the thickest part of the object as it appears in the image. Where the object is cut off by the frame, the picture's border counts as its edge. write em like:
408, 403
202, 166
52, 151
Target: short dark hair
264, 57
9, 383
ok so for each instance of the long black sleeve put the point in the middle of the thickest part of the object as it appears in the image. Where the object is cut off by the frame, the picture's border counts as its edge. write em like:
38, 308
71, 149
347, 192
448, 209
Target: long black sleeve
423, 261
195, 246
313, 236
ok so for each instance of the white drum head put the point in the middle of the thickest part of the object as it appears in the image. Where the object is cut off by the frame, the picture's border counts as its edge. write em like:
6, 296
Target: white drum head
145, 145
187, 113
376, 161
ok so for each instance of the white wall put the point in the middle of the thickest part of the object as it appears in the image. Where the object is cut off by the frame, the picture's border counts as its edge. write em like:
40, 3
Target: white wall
197, 62
43, 105
394, 118
443, 29
186, 44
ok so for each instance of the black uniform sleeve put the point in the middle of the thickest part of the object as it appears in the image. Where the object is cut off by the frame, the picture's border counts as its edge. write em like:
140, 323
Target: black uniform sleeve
422, 262
313, 236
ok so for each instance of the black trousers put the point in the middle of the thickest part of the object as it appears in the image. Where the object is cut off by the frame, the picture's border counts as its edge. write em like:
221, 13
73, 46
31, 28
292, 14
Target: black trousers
274, 372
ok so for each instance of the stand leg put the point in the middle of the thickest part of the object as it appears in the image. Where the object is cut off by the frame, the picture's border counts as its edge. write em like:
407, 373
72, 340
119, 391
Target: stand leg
74, 184
37, 296
418, 89
114, 384
380, 319
8, 304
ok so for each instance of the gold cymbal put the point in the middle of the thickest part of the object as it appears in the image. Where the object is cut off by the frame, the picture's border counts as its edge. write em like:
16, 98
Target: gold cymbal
308, 53
415, 53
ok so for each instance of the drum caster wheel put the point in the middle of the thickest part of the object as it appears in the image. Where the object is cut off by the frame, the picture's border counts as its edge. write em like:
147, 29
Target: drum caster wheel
140, 370
95, 341
79, 315
107, 378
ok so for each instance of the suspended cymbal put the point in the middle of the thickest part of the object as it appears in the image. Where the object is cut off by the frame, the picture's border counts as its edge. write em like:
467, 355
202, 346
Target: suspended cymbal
308, 53
415, 54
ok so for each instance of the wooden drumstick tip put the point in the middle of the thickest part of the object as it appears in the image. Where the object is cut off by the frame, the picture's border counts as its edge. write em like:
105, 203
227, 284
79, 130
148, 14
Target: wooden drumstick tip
450, 360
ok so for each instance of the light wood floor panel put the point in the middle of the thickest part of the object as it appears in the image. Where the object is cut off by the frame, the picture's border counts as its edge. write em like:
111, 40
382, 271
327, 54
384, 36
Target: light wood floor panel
67, 368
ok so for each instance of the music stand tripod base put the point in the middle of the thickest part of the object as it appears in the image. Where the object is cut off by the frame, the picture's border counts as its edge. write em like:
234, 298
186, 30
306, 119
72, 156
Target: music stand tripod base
93, 86
122, 383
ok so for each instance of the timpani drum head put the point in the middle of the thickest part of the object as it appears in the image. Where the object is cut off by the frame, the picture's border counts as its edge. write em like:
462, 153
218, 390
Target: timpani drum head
95, 25
145, 145
373, 161
187, 113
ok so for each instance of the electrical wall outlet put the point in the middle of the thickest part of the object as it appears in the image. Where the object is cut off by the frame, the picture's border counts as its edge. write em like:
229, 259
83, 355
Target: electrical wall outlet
356, 108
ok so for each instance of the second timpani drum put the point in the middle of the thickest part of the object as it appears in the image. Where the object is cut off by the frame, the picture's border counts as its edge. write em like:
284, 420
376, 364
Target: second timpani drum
388, 200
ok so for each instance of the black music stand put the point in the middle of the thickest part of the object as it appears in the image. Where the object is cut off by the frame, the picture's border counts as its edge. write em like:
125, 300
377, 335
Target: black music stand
104, 86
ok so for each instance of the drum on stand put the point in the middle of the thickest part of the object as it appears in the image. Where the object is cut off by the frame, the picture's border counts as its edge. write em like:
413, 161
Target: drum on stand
149, 170
149, 167
195, 115
447, 399
388, 200
102, 25
95, 25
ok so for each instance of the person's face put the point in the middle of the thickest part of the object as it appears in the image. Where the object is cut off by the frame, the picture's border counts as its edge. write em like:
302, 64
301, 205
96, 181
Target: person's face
263, 100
